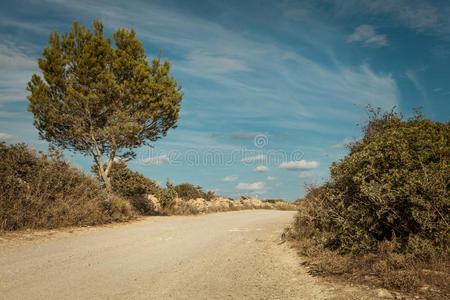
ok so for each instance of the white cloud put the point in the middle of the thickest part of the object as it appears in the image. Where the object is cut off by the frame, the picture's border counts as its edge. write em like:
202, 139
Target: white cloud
270, 178
155, 161
261, 169
252, 187
5, 136
230, 178
299, 165
368, 36
253, 158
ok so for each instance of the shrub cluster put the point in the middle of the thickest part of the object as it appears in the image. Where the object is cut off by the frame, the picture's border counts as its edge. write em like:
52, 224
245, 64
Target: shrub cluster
40, 191
387, 202
394, 184
187, 191
132, 185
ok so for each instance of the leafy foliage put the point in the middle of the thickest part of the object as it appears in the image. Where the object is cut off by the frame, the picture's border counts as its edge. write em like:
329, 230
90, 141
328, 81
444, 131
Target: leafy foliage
134, 185
393, 186
168, 196
102, 100
128, 183
187, 191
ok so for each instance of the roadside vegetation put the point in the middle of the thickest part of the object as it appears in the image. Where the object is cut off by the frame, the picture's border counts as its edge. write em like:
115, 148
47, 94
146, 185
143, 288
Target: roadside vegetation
383, 217
149, 198
44, 191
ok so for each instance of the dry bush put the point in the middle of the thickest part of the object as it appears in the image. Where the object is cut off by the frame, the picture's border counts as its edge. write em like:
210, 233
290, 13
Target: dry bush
133, 186
281, 205
385, 268
39, 191
386, 207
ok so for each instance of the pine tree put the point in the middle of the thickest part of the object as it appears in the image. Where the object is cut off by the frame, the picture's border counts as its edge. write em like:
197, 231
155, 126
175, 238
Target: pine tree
100, 100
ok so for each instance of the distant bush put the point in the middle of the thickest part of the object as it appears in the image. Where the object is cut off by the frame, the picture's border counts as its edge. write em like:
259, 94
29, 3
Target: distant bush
391, 189
41, 191
167, 197
132, 185
187, 191
272, 201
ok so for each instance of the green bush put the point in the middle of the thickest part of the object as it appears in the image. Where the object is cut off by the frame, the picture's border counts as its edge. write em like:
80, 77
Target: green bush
40, 191
393, 185
167, 196
128, 183
187, 191
133, 186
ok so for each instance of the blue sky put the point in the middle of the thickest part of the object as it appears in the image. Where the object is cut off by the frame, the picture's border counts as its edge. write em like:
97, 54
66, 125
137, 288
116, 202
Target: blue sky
273, 89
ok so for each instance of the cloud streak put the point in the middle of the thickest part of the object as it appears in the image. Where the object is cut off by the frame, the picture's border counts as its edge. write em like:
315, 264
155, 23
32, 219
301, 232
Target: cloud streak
155, 161
5, 136
230, 178
261, 169
299, 165
367, 35
252, 187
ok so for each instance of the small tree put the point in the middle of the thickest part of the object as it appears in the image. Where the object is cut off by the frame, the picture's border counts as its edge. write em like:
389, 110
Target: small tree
101, 100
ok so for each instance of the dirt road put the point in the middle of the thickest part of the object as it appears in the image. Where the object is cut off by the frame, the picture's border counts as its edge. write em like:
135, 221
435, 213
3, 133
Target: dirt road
231, 255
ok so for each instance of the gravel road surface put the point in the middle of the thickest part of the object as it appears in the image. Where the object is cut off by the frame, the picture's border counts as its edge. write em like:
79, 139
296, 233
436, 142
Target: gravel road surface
233, 255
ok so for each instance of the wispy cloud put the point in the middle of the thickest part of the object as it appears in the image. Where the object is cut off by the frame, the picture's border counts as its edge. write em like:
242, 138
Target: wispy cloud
422, 16
212, 63
155, 161
5, 136
271, 178
17, 67
252, 187
412, 75
230, 178
367, 35
299, 165
14, 58
261, 169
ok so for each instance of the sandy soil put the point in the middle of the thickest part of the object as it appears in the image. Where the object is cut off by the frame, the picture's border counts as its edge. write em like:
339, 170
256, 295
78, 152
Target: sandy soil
232, 255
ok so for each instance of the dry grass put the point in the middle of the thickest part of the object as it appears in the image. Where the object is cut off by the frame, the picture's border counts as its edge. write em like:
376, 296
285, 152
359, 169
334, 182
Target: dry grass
384, 268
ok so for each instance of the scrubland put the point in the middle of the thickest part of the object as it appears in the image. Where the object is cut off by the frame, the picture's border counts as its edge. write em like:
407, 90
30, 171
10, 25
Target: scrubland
383, 217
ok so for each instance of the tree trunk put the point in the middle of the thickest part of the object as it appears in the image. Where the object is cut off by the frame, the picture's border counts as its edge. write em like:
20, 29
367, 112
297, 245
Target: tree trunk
107, 182
104, 176
101, 170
